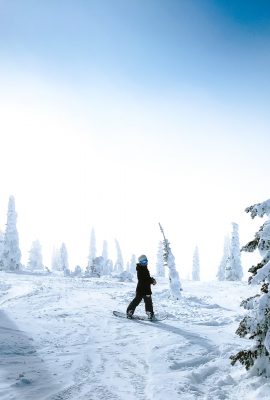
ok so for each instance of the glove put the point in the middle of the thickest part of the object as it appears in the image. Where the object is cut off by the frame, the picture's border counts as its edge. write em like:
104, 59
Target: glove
154, 281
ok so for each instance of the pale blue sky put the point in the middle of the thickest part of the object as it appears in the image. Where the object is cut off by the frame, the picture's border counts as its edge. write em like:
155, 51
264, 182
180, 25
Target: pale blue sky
144, 111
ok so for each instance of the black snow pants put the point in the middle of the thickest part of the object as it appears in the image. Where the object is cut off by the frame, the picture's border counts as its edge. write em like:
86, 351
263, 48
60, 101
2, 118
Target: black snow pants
147, 303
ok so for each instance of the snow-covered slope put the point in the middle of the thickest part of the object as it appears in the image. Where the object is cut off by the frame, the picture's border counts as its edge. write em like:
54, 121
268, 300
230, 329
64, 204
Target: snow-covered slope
60, 341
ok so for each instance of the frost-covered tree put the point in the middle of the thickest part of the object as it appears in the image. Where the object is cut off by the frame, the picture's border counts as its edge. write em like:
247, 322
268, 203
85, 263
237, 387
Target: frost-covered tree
119, 264
2, 238
104, 258
35, 261
105, 252
63, 259
225, 259
94, 269
55, 260
128, 266
196, 265
169, 261
11, 254
77, 271
160, 267
108, 267
98, 265
132, 264
235, 252
92, 249
256, 324
233, 270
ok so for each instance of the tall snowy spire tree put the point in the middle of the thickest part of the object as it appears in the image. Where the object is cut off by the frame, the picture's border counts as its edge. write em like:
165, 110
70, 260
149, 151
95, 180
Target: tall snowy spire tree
92, 251
105, 257
55, 260
63, 259
105, 253
169, 261
256, 324
225, 259
160, 269
2, 238
233, 270
119, 264
11, 255
196, 265
132, 264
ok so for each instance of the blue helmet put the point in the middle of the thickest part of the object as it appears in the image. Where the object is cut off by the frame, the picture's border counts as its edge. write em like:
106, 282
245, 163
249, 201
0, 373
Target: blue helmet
143, 260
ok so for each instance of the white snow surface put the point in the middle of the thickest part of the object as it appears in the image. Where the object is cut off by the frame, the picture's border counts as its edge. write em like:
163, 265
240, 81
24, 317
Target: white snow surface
59, 341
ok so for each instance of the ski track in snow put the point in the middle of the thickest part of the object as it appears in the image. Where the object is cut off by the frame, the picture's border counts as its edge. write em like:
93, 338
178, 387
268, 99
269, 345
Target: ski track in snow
60, 341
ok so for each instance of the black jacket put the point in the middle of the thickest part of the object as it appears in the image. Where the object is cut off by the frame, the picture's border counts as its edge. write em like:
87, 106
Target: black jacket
144, 280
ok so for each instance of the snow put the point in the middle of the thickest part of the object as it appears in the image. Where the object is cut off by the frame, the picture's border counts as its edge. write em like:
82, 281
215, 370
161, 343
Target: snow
60, 341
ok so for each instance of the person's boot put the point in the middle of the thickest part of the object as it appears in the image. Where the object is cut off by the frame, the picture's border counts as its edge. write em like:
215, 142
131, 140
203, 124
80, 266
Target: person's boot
129, 314
150, 315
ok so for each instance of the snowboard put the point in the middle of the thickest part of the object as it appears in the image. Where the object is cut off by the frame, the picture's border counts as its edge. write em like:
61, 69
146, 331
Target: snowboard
140, 317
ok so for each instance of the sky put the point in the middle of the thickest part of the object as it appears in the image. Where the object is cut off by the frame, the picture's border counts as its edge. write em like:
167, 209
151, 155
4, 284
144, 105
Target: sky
117, 115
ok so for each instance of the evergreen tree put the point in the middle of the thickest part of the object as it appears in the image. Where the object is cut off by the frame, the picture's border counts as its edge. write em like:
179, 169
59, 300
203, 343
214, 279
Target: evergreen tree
235, 253
63, 259
169, 261
2, 238
233, 270
225, 260
11, 254
77, 271
103, 269
160, 267
94, 270
119, 264
128, 266
92, 250
105, 253
196, 265
98, 263
109, 267
256, 324
55, 260
132, 264
35, 261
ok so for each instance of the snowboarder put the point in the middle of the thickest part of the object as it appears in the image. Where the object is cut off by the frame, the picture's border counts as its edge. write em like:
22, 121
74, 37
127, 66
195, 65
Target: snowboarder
143, 290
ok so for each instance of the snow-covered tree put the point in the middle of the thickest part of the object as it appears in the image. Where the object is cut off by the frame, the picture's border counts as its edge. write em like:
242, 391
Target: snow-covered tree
119, 264
196, 265
169, 261
160, 267
98, 265
235, 253
77, 271
225, 259
92, 249
55, 260
233, 270
256, 324
108, 267
105, 255
2, 238
132, 264
35, 261
105, 266
63, 259
127, 266
94, 269
11, 254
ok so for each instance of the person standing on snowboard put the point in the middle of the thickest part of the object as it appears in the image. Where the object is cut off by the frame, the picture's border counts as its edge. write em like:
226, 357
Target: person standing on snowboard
143, 290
